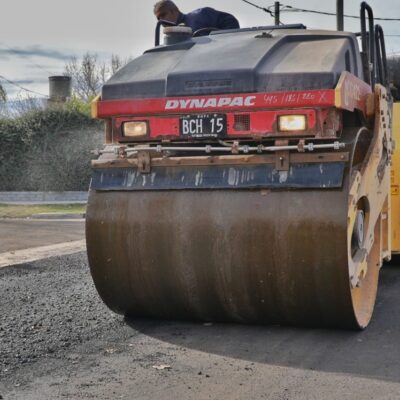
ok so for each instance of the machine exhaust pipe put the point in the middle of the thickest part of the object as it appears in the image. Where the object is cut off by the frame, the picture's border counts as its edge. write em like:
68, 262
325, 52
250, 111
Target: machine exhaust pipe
339, 15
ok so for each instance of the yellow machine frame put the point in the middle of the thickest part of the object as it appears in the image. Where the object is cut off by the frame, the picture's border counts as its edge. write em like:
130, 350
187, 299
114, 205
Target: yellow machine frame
395, 180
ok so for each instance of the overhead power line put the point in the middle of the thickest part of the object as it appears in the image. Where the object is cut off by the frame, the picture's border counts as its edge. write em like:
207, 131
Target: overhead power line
287, 8
259, 7
17, 53
21, 87
267, 10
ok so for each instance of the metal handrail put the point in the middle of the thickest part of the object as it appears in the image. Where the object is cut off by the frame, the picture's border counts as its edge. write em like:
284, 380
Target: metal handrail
368, 49
382, 70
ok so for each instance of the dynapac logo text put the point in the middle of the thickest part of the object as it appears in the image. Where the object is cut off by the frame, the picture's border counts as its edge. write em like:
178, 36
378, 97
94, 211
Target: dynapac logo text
211, 102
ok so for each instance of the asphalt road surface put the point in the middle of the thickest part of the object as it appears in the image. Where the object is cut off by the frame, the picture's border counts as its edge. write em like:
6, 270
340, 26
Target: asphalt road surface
17, 234
58, 341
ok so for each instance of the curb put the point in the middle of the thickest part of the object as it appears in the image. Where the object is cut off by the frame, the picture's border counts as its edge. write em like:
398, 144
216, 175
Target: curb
57, 216
43, 197
38, 203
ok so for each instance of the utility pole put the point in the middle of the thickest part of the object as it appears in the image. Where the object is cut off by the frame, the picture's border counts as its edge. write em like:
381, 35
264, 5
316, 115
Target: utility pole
339, 15
277, 12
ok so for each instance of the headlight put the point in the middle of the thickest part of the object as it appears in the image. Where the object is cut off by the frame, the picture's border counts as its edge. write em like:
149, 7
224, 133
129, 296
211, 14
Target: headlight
135, 128
287, 123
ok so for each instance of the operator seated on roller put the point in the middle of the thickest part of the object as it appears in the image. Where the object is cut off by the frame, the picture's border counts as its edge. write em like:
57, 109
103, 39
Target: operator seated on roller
202, 20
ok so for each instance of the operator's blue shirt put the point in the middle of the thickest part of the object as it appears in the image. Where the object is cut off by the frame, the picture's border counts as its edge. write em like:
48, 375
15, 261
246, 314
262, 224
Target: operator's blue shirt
207, 17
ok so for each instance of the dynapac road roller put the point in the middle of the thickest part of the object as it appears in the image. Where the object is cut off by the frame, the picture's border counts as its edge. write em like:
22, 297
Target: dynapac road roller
246, 177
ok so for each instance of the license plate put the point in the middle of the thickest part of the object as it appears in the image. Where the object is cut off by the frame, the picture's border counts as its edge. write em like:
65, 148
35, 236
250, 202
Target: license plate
203, 126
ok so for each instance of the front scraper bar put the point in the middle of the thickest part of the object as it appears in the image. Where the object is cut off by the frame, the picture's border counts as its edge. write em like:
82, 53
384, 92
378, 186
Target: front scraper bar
235, 149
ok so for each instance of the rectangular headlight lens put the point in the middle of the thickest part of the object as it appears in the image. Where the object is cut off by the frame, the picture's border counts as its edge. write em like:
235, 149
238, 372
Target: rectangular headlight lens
287, 123
135, 128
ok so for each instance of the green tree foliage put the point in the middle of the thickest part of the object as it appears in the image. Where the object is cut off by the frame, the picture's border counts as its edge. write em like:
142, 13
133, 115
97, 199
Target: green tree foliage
75, 104
48, 150
51, 149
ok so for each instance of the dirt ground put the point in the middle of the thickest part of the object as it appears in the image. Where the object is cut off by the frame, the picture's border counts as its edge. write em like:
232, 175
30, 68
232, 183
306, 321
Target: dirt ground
58, 341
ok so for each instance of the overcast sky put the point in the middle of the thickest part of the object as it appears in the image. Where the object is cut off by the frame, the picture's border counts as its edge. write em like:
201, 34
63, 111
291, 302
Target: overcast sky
37, 37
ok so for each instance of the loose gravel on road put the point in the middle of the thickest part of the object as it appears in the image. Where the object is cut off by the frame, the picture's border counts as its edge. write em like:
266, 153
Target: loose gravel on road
58, 341
48, 307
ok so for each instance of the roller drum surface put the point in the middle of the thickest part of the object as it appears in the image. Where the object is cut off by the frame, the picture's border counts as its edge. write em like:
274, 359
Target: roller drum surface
259, 256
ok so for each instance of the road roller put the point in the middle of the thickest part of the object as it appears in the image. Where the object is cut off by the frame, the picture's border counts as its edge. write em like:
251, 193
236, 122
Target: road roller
247, 176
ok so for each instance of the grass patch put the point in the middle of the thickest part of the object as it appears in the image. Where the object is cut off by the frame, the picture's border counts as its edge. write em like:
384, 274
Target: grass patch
24, 211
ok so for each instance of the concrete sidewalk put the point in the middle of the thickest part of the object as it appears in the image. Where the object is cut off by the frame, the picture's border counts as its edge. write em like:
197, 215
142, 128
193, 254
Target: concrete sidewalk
69, 197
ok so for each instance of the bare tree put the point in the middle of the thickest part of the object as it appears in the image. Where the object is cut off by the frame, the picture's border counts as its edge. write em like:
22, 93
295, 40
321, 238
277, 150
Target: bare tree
117, 63
25, 103
86, 76
89, 74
